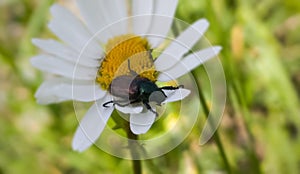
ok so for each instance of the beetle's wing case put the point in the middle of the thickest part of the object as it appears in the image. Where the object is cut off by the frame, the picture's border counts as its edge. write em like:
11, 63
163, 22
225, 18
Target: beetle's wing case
122, 87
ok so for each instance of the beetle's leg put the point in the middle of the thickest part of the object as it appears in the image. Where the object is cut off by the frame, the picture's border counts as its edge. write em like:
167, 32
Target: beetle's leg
135, 101
115, 103
119, 104
171, 87
122, 105
109, 102
163, 93
150, 109
130, 70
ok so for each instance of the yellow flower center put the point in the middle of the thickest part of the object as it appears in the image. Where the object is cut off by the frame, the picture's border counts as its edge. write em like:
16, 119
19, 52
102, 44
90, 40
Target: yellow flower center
119, 50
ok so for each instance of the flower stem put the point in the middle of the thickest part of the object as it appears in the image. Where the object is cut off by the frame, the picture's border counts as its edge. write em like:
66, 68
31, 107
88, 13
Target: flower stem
216, 136
149, 162
132, 145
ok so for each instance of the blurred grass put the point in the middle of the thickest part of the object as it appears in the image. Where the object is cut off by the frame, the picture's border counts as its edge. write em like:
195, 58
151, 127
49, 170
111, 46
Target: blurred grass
260, 128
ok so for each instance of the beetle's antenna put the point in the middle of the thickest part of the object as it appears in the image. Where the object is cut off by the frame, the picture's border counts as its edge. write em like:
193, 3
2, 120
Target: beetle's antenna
130, 70
105, 104
150, 54
171, 87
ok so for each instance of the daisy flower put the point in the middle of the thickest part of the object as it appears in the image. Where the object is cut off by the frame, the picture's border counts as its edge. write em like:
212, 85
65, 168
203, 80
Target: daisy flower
111, 43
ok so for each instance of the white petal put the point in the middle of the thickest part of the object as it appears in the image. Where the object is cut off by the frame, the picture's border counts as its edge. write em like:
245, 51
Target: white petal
95, 18
141, 123
64, 68
91, 126
162, 20
60, 89
60, 50
46, 99
114, 11
166, 7
189, 63
72, 31
182, 44
175, 95
141, 12
129, 109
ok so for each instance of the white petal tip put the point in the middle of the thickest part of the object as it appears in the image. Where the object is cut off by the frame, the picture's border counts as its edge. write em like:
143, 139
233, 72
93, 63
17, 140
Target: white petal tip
217, 49
54, 7
91, 126
76, 148
139, 129
176, 95
80, 142
32, 61
203, 23
41, 102
79, 147
34, 40
142, 122
50, 24
185, 93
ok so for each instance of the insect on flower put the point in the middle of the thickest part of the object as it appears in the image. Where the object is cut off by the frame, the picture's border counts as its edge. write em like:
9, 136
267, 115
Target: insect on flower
133, 89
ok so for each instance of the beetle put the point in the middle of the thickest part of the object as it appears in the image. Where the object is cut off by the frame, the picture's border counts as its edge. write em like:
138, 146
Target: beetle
133, 89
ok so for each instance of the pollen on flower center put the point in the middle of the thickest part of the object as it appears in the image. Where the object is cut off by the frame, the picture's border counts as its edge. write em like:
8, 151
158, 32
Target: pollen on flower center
115, 63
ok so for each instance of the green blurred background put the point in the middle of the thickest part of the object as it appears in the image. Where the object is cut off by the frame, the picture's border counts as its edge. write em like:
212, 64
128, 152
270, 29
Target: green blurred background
260, 127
